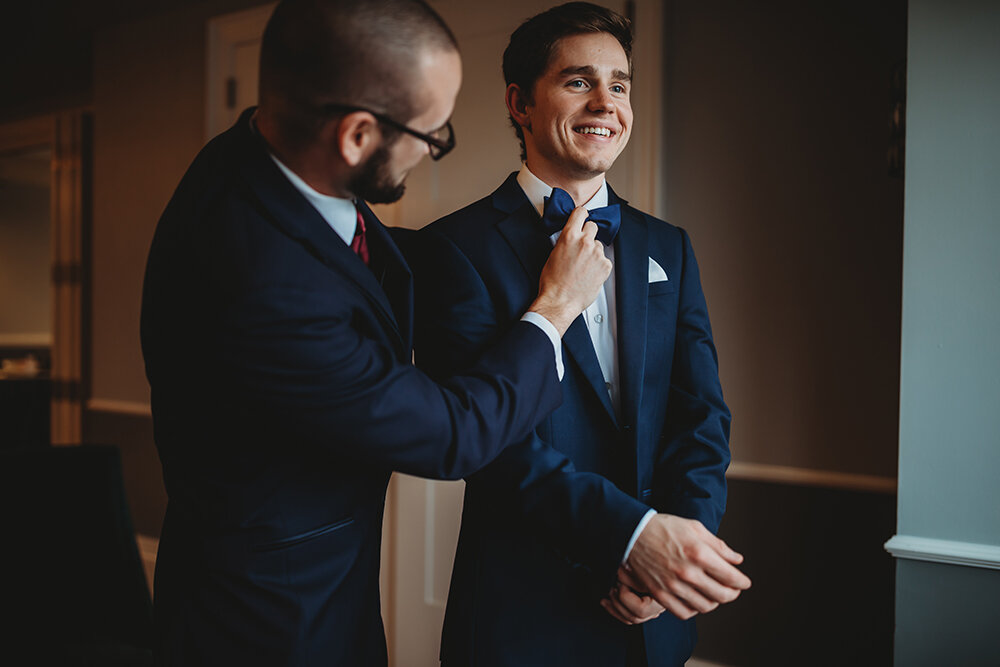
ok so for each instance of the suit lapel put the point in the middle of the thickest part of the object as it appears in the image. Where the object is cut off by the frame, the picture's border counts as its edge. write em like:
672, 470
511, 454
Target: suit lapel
392, 273
631, 290
521, 230
290, 211
527, 240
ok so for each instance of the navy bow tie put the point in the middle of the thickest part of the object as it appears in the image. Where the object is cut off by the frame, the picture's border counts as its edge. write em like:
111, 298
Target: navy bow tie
560, 205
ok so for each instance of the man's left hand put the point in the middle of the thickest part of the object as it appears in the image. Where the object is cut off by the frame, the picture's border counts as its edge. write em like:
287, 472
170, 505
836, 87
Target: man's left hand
626, 604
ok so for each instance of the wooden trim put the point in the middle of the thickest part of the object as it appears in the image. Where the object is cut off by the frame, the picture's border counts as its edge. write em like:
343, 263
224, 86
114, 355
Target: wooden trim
37, 131
950, 552
69, 214
761, 472
134, 408
40, 339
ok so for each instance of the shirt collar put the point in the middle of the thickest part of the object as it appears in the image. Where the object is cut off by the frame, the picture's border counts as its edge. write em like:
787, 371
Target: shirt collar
340, 214
536, 190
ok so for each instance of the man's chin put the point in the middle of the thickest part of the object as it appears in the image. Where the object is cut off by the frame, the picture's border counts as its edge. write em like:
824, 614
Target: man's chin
385, 195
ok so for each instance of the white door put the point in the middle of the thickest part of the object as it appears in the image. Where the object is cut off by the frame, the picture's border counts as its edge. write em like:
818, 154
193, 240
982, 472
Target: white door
422, 516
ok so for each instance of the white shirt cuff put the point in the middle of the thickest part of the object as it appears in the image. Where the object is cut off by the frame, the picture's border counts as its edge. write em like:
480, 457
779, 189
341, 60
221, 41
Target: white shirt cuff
635, 534
550, 331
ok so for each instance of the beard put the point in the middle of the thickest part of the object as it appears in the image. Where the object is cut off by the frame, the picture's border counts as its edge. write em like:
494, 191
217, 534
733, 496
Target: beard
374, 182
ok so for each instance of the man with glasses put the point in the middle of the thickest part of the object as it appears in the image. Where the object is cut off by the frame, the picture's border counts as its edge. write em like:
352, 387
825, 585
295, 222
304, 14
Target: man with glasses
575, 540
276, 328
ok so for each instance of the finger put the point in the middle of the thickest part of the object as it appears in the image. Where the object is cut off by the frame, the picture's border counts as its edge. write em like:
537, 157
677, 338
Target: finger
617, 615
575, 221
724, 572
728, 553
627, 577
588, 231
715, 591
639, 608
629, 606
692, 597
674, 605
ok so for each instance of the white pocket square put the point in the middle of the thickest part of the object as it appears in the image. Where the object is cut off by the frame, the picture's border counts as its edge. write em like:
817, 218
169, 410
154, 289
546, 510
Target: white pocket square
656, 272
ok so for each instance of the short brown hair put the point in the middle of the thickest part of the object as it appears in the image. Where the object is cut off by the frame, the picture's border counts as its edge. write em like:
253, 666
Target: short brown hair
532, 45
317, 53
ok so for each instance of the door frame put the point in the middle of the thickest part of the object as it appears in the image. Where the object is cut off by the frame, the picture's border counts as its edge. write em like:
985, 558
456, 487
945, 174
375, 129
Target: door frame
68, 135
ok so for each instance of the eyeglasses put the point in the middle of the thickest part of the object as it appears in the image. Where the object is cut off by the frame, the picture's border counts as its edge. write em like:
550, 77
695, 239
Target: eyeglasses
440, 141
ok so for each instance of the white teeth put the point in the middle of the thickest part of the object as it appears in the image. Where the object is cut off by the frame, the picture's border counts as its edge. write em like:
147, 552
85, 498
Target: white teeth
603, 131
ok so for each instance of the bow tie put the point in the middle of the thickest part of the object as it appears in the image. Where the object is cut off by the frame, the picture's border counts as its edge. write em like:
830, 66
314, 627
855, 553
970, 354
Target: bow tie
560, 205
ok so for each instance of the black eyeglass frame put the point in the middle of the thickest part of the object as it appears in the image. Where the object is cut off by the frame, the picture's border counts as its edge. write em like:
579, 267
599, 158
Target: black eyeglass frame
438, 148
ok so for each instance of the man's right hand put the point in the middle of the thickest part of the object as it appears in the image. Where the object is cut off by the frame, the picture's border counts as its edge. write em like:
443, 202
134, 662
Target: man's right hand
683, 566
575, 272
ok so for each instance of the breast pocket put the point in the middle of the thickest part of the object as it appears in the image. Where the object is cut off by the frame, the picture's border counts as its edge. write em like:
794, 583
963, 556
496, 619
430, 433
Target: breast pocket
662, 287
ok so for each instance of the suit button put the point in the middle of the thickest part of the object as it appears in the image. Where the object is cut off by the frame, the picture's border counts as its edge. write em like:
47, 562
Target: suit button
627, 427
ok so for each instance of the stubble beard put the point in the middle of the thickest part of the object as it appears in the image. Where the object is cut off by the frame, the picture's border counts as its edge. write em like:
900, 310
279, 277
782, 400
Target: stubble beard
374, 182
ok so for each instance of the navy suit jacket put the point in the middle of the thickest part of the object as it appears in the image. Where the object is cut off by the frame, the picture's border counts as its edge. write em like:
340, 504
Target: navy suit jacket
283, 395
545, 526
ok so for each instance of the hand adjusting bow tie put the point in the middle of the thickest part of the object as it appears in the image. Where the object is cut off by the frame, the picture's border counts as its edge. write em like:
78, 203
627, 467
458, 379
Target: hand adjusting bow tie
560, 205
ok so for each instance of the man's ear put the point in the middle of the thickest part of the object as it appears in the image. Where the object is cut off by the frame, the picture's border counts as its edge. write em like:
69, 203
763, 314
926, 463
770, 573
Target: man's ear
356, 135
518, 104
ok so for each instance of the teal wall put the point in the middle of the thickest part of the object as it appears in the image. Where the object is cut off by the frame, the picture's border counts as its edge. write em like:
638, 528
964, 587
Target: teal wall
949, 471
949, 459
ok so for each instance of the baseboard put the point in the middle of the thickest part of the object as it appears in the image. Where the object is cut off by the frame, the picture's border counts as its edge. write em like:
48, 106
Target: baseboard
114, 406
761, 472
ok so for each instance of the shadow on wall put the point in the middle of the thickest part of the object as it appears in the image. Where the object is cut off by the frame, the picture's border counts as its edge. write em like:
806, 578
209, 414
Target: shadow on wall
822, 583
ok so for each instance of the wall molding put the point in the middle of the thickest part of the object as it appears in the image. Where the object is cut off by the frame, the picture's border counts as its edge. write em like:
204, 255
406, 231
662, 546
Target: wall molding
134, 408
762, 472
40, 339
950, 552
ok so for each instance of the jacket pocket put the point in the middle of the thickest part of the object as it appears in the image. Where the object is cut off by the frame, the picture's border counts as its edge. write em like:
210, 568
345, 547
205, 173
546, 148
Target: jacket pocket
662, 287
293, 540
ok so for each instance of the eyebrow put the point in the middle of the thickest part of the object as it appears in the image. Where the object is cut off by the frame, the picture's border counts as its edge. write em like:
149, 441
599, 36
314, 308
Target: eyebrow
589, 70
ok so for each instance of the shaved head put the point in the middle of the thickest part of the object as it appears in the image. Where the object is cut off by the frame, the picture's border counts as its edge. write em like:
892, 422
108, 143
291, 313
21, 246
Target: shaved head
365, 53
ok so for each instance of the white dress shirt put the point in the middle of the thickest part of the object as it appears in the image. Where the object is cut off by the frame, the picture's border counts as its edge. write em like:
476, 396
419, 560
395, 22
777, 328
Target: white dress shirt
599, 316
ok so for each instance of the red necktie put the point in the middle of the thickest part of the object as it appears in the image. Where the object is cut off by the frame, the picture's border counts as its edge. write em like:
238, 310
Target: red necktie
359, 244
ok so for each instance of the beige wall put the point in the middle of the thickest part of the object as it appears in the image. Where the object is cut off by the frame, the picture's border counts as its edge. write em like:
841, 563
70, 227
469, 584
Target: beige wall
776, 139
25, 274
149, 115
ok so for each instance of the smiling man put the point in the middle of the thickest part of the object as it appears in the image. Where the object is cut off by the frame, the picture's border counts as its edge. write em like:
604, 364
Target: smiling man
626, 477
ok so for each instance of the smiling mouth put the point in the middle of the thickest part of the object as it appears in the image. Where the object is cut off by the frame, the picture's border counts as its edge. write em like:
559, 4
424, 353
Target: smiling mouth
598, 131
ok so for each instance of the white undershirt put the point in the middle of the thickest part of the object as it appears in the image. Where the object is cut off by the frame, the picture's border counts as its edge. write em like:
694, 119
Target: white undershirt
600, 315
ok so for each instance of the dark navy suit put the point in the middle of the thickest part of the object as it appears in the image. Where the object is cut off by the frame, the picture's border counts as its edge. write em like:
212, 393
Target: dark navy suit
545, 526
283, 396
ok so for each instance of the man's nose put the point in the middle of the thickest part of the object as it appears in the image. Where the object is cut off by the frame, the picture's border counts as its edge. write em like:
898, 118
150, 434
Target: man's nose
601, 100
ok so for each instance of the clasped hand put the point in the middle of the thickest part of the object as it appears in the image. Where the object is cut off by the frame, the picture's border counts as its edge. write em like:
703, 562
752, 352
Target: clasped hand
676, 565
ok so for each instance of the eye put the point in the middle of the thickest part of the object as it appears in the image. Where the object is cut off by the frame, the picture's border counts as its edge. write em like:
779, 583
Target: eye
577, 83
618, 88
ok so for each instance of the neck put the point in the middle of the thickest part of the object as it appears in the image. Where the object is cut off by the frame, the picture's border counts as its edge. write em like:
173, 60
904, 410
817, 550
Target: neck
581, 189
309, 160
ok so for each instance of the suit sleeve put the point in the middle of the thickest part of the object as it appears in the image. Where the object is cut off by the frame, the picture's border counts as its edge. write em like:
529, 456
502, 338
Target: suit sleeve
302, 364
582, 515
689, 476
